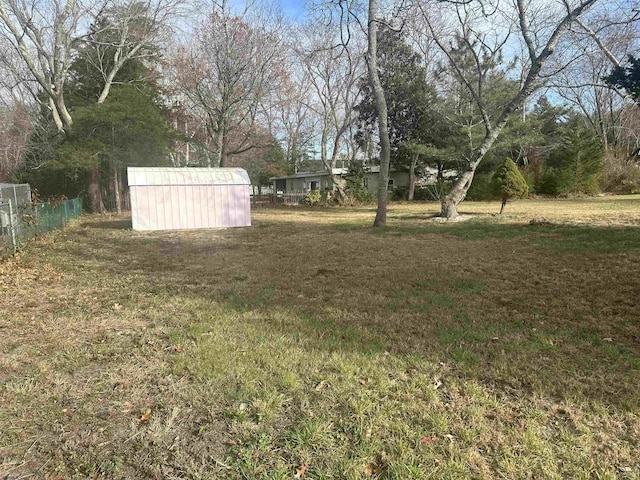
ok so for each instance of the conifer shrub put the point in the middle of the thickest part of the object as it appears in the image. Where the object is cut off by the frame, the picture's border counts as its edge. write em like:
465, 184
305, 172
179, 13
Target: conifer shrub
508, 183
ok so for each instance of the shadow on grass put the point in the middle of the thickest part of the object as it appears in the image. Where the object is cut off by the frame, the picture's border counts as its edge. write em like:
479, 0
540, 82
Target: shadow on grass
491, 335
563, 238
119, 224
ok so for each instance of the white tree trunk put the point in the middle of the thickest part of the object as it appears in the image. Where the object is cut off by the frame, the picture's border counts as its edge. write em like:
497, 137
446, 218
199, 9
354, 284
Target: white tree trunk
381, 110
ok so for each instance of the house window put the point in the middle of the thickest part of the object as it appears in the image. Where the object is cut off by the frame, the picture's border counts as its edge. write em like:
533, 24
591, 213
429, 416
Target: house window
390, 185
281, 185
314, 186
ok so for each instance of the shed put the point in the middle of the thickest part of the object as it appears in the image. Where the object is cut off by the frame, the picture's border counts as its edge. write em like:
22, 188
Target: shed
187, 198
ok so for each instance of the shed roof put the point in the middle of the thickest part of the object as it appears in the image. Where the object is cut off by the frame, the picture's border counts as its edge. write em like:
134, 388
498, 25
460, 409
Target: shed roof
149, 176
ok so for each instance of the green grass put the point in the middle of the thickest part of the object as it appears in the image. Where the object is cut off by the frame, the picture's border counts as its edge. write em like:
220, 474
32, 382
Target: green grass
490, 348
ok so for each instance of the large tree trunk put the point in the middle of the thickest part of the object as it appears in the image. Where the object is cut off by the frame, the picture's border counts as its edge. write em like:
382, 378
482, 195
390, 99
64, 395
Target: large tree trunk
116, 190
95, 194
449, 206
381, 110
412, 177
339, 184
217, 155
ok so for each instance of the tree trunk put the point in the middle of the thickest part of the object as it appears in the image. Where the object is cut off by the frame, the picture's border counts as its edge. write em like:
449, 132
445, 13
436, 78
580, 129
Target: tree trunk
504, 202
381, 110
341, 193
95, 194
63, 112
217, 158
412, 177
116, 190
449, 206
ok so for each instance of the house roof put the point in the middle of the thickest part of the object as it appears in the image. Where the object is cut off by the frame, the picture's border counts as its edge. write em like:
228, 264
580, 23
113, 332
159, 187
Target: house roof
150, 176
324, 173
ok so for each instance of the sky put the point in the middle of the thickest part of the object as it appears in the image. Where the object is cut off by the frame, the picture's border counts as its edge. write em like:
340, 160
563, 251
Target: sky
294, 9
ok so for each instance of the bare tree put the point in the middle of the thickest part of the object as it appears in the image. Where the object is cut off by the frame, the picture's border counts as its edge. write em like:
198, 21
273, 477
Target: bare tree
601, 40
231, 67
128, 30
15, 128
486, 28
334, 73
44, 34
295, 114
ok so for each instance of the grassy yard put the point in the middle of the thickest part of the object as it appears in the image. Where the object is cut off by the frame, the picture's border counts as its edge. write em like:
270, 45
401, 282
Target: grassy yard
313, 346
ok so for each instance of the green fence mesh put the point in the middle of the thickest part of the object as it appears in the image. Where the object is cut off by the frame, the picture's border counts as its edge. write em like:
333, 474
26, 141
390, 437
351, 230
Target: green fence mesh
19, 223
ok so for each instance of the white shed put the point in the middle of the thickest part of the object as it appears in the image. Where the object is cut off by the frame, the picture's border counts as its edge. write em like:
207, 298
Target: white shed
182, 198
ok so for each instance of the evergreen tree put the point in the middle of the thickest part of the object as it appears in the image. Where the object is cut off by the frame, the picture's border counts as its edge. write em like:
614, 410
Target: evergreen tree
627, 78
573, 166
128, 128
410, 99
418, 134
508, 182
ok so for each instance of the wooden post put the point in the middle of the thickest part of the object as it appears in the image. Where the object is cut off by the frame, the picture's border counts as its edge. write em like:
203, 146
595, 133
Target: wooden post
12, 226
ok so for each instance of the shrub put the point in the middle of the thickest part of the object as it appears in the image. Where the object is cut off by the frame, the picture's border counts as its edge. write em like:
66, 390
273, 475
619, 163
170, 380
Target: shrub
508, 182
400, 193
355, 186
620, 175
554, 181
313, 198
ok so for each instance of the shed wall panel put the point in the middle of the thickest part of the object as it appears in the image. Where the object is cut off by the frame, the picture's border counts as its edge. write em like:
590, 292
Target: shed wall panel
182, 203
183, 207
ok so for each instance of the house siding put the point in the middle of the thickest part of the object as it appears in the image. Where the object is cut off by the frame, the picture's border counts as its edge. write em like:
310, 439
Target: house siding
400, 179
302, 183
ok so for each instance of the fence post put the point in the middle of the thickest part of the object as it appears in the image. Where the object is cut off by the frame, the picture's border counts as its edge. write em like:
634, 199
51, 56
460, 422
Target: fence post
12, 227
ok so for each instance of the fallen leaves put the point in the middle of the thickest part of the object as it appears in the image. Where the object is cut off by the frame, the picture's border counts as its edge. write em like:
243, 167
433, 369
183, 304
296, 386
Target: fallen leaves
300, 472
372, 469
322, 385
146, 416
377, 466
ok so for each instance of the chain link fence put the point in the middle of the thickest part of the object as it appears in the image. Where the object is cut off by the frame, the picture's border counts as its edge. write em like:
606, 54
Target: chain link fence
21, 219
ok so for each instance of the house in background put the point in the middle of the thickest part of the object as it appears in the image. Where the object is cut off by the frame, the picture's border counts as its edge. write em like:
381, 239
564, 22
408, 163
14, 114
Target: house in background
305, 182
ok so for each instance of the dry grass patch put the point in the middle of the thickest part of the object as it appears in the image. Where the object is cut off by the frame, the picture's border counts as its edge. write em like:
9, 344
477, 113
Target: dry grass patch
486, 349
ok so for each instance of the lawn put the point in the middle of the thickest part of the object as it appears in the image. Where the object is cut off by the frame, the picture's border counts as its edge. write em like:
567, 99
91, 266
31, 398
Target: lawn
313, 346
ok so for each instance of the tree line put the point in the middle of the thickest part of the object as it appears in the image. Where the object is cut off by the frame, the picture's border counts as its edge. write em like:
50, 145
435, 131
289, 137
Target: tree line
451, 87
